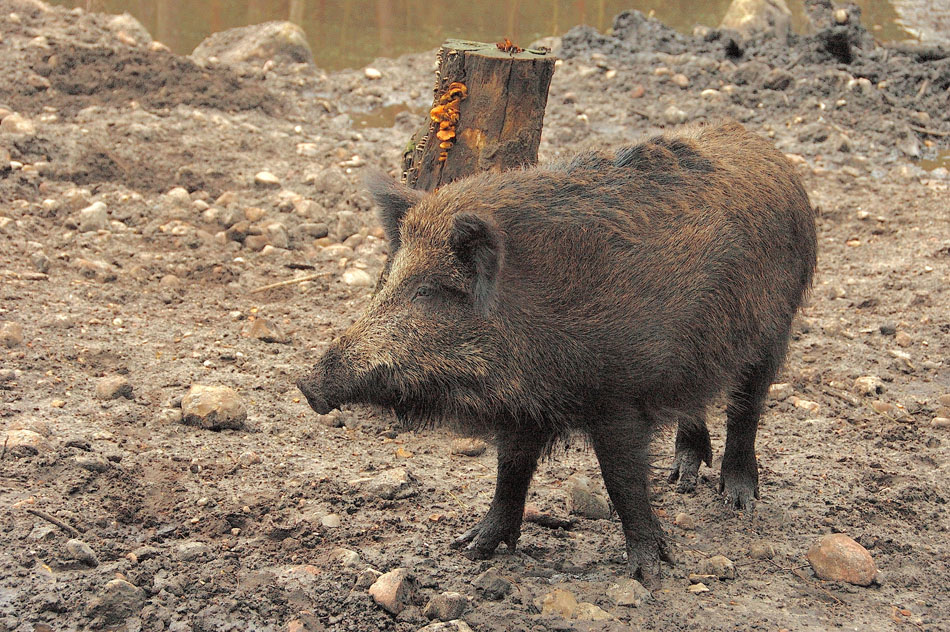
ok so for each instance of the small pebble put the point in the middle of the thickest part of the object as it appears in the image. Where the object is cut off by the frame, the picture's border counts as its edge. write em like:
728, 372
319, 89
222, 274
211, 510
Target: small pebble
940, 422
118, 601
179, 196
698, 588
372, 73
720, 566
681, 80
25, 443
17, 124
366, 578
266, 331
331, 521
266, 180
358, 278
685, 521
762, 550
492, 585
674, 116
446, 606
82, 552
868, 385
629, 592
213, 408
468, 446
189, 551
113, 387
93, 463
345, 557
11, 334
558, 602
584, 500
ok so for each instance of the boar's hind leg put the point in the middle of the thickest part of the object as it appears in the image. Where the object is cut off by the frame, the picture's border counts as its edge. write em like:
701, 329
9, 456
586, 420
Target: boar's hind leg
518, 454
692, 448
621, 449
739, 476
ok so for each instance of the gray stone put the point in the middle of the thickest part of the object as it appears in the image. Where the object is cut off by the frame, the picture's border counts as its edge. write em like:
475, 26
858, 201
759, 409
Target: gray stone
366, 578
331, 521
584, 500
82, 552
347, 223
93, 463
213, 408
179, 197
456, 625
94, 217
868, 385
720, 566
492, 585
750, 17
266, 331
11, 334
119, 601
629, 592
391, 484
778, 79
674, 116
283, 42
113, 387
446, 606
345, 557
17, 124
190, 551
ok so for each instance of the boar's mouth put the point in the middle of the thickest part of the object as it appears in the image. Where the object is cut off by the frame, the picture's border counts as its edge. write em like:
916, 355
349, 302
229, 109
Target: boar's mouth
318, 402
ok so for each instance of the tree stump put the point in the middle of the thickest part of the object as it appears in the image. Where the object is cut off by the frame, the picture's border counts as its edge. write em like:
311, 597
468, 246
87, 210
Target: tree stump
486, 114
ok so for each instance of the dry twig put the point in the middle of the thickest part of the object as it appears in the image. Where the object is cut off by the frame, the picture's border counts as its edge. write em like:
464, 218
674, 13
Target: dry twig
309, 277
54, 520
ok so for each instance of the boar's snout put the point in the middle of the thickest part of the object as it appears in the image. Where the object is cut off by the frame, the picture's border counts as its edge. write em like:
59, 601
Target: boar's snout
325, 386
311, 391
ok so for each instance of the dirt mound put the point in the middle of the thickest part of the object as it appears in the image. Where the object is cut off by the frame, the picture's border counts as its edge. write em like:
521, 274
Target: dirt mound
79, 77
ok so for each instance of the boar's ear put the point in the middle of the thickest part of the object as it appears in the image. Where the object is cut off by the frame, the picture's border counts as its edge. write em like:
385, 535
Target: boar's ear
393, 199
477, 243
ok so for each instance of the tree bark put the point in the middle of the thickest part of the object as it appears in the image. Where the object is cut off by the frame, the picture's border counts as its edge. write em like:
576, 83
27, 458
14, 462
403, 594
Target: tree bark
499, 98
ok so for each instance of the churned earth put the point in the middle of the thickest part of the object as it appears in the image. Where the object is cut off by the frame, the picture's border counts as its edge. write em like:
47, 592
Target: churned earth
138, 236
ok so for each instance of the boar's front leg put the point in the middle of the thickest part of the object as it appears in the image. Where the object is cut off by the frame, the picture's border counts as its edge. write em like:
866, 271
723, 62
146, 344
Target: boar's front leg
518, 454
621, 447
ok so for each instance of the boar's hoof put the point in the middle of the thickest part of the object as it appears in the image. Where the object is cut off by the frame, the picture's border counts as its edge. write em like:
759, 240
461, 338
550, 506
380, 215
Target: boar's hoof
644, 554
685, 470
480, 541
316, 401
740, 486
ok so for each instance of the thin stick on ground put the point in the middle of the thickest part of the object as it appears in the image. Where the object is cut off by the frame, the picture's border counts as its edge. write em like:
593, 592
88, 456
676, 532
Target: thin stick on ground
303, 279
929, 132
54, 520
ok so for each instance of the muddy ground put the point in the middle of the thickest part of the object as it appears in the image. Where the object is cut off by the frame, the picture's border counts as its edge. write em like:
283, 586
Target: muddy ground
240, 529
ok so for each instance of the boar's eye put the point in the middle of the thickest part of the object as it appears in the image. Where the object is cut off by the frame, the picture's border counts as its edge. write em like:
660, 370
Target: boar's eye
423, 292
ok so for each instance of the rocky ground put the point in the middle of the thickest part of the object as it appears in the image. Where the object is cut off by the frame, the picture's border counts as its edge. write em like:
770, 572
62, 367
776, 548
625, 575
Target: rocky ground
147, 200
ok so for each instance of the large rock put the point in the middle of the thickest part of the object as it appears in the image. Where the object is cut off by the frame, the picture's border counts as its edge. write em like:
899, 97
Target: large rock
758, 16
213, 408
25, 443
836, 557
394, 590
284, 42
